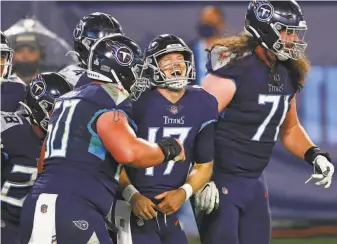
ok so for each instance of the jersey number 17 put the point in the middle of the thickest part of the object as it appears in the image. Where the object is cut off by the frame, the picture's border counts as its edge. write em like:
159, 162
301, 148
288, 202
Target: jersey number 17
182, 132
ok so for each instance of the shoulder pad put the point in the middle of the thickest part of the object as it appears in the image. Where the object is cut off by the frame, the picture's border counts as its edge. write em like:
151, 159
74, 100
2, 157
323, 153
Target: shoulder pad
16, 79
9, 120
220, 57
117, 93
219, 63
72, 72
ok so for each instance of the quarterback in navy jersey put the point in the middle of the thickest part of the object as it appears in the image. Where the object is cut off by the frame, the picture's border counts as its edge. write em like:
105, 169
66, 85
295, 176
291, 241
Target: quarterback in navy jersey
255, 78
170, 108
89, 29
12, 87
21, 141
89, 137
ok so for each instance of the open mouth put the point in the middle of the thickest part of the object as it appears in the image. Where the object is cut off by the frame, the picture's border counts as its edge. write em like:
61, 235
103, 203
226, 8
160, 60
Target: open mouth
176, 72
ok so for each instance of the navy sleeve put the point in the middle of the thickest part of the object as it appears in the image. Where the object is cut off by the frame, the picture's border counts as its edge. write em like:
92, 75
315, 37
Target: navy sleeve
210, 109
204, 145
11, 94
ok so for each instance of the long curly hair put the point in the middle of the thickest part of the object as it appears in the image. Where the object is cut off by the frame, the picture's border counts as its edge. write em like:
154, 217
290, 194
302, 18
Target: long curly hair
242, 44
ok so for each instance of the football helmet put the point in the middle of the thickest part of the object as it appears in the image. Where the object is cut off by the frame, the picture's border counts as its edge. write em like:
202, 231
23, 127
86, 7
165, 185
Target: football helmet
89, 29
266, 21
117, 59
7, 55
41, 95
160, 46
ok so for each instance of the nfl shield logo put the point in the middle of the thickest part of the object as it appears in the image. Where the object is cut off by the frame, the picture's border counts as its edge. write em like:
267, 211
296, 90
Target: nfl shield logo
44, 208
140, 222
174, 109
224, 190
122, 223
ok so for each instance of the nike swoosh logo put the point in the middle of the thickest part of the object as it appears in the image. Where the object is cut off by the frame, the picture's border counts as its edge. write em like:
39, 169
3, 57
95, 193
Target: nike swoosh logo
205, 188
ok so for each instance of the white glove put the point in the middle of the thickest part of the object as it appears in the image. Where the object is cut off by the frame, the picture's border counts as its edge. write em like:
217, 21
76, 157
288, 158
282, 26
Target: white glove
207, 198
327, 170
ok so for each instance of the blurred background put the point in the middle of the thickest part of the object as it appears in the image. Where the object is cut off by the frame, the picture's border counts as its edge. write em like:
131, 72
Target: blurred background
41, 34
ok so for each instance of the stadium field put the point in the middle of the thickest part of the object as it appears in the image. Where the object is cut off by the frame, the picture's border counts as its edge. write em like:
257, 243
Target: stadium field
304, 241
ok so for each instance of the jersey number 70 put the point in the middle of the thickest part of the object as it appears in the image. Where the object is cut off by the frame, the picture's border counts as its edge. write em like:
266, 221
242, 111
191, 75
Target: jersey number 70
67, 108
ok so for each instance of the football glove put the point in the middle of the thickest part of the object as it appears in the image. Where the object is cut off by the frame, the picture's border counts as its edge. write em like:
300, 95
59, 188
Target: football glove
323, 171
207, 198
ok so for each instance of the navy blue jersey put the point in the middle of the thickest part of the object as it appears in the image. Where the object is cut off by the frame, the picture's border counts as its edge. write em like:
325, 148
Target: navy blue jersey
83, 80
249, 126
13, 91
156, 117
76, 161
20, 152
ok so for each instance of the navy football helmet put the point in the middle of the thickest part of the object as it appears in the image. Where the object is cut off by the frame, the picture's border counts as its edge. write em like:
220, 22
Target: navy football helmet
267, 20
89, 29
41, 95
117, 59
6, 57
160, 46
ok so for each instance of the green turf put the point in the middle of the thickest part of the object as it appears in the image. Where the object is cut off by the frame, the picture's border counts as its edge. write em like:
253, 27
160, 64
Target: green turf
305, 241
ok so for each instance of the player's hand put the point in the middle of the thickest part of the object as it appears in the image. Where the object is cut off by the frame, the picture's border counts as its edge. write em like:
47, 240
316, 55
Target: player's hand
172, 201
142, 207
323, 171
181, 156
207, 198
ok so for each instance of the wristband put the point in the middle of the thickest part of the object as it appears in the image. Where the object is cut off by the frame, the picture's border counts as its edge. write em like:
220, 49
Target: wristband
128, 192
188, 189
311, 154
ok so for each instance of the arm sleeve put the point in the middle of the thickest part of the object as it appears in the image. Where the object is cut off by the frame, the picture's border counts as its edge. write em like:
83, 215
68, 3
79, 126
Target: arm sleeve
204, 146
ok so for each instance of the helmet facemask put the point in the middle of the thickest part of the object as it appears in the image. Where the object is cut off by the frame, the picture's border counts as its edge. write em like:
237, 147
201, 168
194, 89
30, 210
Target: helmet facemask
38, 118
180, 71
141, 83
6, 61
291, 42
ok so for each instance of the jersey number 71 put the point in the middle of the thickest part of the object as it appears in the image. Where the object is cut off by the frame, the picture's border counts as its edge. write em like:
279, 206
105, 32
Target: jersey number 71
275, 101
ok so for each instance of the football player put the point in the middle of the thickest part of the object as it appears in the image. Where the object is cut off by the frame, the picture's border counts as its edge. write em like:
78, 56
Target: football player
21, 139
170, 108
89, 29
89, 137
12, 87
255, 78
